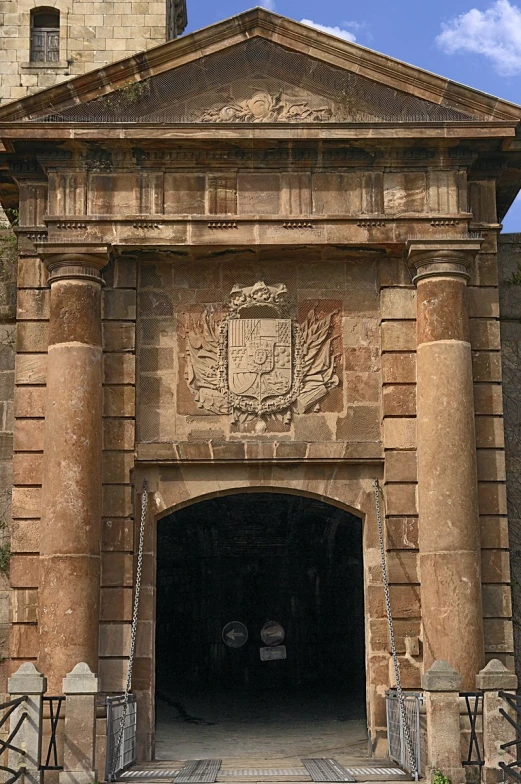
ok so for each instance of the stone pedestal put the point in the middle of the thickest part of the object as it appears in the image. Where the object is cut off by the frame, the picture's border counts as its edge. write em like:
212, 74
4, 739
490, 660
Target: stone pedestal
449, 540
71, 493
442, 685
496, 730
27, 681
79, 743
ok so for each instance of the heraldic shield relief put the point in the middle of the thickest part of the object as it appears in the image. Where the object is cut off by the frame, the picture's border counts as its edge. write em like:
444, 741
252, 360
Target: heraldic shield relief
259, 357
257, 362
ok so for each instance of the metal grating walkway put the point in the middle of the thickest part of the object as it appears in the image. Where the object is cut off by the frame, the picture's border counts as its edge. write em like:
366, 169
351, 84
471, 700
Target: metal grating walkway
324, 769
202, 771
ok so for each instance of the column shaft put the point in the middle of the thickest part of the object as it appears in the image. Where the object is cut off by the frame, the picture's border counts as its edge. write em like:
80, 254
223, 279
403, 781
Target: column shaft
71, 513
449, 542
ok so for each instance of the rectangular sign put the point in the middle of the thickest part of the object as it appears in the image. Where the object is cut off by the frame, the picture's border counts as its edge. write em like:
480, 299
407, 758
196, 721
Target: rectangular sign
275, 652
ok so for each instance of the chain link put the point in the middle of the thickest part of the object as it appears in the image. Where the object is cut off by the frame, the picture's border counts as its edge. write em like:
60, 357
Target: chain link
133, 629
399, 690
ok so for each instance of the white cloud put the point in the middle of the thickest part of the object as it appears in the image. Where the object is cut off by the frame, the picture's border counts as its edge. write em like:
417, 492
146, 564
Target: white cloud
494, 33
338, 31
269, 5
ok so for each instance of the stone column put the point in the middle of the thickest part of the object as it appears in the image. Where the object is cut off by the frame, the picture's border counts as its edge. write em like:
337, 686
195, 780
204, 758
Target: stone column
449, 539
68, 596
79, 742
442, 686
496, 729
27, 681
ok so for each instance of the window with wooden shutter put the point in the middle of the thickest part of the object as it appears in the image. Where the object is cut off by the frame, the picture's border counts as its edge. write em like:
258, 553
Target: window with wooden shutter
45, 35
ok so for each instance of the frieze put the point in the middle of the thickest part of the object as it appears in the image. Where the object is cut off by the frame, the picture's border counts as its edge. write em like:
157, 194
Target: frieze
370, 224
437, 222
257, 362
292, 154
146, 225
264, 107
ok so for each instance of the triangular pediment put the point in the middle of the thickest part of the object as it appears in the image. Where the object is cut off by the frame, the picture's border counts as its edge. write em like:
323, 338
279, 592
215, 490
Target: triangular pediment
259, 68
259, 81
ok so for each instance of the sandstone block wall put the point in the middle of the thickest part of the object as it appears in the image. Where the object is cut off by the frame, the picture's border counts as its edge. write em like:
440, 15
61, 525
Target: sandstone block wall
8, 256
92, 34
509, 259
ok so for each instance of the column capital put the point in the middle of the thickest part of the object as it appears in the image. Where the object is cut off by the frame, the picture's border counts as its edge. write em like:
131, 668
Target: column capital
432, 258
71, 260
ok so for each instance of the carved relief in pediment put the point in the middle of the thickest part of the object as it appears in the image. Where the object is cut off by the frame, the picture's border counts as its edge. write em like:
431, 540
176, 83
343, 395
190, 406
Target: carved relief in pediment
266, 107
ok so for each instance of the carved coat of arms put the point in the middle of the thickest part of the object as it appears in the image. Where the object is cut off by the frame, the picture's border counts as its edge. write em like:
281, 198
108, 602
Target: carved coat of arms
257, 361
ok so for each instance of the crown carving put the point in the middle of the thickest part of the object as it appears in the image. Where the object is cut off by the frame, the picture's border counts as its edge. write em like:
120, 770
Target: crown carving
270, 298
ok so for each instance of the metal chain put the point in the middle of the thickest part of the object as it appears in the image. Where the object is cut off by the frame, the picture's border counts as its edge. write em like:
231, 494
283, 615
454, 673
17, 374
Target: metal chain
133, 628
399, 690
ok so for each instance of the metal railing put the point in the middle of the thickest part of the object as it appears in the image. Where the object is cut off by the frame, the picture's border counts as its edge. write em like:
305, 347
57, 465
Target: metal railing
7, 744
398, 748
513, 769
55, 706
474, 705
120, 754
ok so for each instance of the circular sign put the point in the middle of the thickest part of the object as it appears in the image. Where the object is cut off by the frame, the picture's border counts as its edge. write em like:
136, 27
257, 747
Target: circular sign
234, 634
272, 633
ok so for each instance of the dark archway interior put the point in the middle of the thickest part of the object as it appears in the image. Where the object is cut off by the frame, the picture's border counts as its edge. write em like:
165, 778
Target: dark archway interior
254, 557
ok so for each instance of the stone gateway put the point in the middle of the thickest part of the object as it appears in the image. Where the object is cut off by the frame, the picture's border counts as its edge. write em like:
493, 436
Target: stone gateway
258, 269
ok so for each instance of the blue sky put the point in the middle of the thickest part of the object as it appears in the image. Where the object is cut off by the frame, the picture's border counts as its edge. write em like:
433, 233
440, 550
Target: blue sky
476, 42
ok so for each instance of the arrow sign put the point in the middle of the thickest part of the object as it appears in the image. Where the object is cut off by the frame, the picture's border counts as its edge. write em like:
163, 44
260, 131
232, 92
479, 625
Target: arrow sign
234, 634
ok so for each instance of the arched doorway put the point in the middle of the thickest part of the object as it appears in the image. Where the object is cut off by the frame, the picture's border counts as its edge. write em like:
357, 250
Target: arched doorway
255, 558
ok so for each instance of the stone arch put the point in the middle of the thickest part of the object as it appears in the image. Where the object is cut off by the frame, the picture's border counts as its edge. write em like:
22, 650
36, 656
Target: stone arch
344, 485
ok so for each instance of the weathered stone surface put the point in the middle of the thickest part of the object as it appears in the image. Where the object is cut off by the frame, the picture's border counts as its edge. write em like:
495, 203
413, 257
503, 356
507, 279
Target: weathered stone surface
402, 533
400, 433
400, 466
399, 400
400, 499
489, 432
28, 435
495, 566
441, 677
31, 336
399, 368
398, 303
30, 402
31, 369
491, 465
119, 369
486, 366
398, 335
495, 677
118, 434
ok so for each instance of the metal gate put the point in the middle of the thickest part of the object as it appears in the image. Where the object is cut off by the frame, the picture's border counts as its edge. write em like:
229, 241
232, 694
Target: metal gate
398, 749
124, 750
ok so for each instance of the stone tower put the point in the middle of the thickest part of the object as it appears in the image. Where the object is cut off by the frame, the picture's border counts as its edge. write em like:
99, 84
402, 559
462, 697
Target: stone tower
44, 43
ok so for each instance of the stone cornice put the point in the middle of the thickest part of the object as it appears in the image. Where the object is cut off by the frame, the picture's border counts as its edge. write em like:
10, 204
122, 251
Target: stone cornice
472, 129
432, 258
166, 232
